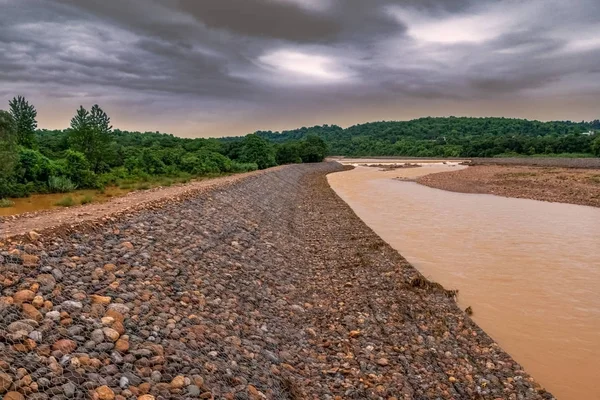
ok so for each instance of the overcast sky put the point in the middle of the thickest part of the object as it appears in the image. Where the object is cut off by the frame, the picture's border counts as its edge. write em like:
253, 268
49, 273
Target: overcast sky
230, 67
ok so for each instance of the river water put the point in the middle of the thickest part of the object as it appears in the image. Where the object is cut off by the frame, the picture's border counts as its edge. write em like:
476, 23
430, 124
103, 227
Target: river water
529, 269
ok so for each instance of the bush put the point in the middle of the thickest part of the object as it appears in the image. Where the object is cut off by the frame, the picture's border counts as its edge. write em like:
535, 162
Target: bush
77, 169
5, 203
86, 199
60, 184
243, 167
65, 202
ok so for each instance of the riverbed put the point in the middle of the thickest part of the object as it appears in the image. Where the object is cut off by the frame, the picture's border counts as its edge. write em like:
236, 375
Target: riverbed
530, 270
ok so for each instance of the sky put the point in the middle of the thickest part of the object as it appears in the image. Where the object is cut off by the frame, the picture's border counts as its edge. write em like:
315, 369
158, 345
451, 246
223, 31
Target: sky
201, 68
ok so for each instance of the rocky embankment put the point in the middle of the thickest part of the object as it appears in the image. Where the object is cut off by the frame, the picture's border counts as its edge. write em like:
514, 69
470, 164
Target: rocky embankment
267, 287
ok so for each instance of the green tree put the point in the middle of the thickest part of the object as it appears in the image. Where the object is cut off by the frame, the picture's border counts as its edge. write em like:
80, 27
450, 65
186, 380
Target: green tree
288, 153
313, 149
91, 134
257, 150
24, 116
596, 146
8, 140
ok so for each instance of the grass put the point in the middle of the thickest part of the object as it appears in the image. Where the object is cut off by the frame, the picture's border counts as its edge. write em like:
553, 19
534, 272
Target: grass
60, 184
86, 199
143, 186
5, 203
594, 179
65, 202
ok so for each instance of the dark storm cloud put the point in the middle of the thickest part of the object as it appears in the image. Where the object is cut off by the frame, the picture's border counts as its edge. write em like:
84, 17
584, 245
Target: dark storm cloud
248, 60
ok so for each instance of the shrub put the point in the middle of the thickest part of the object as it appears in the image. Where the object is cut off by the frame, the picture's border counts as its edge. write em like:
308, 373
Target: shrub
60, 184
143, 186
5, 203
243, 167
87, 199
65, 202
78, 170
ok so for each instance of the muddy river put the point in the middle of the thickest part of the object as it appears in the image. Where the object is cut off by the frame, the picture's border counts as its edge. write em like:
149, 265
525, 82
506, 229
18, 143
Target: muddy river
529, 269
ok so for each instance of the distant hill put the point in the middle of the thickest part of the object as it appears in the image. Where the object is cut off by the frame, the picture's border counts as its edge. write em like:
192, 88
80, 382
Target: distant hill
451, 137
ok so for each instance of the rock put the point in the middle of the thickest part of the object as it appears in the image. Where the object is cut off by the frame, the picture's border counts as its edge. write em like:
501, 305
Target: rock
383, 362
5, 382
30, 260
36, 336
38, 302
47, 282
19, 326
23, 296
105, 393
118, 307
111, 334
122, 345
178, 382
53, 315
32, 312
34, 236
123, 382
65, 346
193, 390
127, 245
71, 305
97, 336
104, 300
69, 389
145, 397
13, 396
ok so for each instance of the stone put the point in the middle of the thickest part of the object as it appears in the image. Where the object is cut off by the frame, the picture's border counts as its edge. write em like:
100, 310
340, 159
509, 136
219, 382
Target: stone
23, 296
34, 236
383, 362
71, 305
47, 282
104, 300
53, 315
38, 302
127, 245
119, 308
13, 396
146, 397
19, 326
97, 336
69, 389
65, 346
178, 382
111, 334
32, 312
122, 345
193, 390
30, 260
105, 393
5, 382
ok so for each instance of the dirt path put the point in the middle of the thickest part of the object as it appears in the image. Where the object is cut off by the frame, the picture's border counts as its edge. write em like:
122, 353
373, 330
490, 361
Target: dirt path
268, 287
563, 185
72, 216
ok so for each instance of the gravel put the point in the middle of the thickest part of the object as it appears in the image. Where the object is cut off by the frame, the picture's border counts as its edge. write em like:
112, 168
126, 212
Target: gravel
265, 287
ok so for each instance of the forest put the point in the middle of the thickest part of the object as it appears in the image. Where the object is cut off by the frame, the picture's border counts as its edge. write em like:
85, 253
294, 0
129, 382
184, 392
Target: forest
90, 154
454, 137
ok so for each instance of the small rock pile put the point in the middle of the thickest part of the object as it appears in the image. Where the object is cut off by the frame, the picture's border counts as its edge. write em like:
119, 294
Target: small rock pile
269, 288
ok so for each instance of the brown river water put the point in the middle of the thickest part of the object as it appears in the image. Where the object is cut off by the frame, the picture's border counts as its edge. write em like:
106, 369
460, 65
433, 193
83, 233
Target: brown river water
529, 269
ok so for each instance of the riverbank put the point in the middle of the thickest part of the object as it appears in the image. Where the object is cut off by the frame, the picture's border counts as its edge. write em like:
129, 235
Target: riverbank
563, 185
266, 287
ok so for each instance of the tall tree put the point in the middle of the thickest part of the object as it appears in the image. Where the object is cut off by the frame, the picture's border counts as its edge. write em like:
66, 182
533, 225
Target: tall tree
8, 140
91, 134
24, 116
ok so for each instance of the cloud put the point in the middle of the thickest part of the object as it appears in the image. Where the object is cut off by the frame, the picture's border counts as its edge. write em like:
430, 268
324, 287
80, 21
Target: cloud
184, 65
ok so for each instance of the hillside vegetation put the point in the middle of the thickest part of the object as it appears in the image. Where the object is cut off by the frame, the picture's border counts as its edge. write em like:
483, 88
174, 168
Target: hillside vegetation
453, 137
90, 154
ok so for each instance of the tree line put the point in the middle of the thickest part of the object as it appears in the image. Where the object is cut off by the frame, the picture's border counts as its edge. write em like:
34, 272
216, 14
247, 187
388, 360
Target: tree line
92, 154
454, 137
